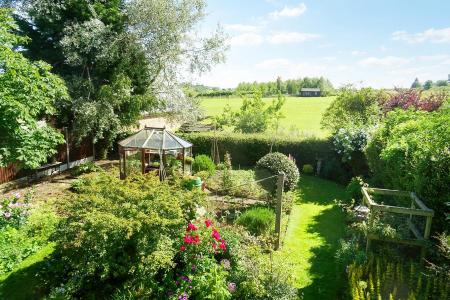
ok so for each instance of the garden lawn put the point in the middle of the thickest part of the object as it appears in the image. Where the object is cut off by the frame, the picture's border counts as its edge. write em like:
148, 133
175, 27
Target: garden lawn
304, 113
24, 282
315, 226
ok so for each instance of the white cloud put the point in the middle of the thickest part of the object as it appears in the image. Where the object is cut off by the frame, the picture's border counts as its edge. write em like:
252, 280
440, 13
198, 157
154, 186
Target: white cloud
273, 63
358, 53
329, 58
288, 12
431, 35
247, 39
388, 61
383, 48
437, 57
291, 37
242, 28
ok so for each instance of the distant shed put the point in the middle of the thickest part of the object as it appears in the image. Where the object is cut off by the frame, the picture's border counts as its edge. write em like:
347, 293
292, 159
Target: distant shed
310, 92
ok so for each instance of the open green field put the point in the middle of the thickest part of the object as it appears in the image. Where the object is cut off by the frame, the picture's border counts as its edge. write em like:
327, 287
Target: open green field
302, 113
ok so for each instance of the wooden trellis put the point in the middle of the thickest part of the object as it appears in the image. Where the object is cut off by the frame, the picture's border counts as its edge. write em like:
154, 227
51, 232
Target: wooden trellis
418, 208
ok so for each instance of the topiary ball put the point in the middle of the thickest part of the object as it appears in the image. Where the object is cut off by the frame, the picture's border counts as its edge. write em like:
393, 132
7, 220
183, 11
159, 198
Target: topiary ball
273, 164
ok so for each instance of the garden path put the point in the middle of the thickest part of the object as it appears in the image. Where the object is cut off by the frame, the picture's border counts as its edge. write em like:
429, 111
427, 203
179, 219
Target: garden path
315, 226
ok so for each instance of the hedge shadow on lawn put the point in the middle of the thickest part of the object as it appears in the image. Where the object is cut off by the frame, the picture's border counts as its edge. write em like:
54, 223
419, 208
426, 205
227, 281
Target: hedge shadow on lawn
25, 283
328, 277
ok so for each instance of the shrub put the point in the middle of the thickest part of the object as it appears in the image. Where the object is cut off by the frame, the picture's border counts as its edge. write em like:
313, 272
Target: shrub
410, 152
258, 220
17, 243
353, 189
84, 168
274, 164
237, 183
247, 149
203, 163
308, 169
120, 232
199, 273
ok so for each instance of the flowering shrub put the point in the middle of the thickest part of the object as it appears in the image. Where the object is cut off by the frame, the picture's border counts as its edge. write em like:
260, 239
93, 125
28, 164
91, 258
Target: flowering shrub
348, 141
412, 98
203, 265
14, 210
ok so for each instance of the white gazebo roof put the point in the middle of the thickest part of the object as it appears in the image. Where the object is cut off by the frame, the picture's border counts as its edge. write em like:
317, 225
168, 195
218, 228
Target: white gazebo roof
156, 139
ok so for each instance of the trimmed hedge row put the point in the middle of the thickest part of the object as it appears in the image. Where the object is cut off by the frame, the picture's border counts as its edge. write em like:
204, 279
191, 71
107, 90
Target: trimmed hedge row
247, 149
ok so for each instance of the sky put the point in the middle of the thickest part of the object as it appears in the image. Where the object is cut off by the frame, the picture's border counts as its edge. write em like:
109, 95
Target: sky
378, 43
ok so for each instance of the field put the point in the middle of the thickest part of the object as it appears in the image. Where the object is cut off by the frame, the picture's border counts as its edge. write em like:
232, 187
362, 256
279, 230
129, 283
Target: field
302, 113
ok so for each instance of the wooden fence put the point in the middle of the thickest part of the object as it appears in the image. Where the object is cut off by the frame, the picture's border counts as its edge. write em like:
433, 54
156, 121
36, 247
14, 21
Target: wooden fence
77, 151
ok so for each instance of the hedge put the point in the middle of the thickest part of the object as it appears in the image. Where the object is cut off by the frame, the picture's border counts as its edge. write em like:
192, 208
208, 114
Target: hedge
247, 149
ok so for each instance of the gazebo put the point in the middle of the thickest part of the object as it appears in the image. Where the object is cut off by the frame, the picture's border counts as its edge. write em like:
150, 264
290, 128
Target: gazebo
154, 147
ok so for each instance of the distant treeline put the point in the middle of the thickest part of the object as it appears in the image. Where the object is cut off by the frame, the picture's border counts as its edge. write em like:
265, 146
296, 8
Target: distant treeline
290, 87
287, 87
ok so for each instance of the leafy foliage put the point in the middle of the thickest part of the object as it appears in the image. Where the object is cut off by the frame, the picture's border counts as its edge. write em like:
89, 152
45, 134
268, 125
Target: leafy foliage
308, 169
257, 220
23, 230
414, 98
247, 149
410, 151
203, 163
385, 278
353, 108
28, 95
120, 232
119, 58
275, 163
253, 116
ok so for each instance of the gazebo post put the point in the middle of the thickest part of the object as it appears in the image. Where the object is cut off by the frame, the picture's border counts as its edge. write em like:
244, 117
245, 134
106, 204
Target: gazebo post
124, 163
183, 162
143, 161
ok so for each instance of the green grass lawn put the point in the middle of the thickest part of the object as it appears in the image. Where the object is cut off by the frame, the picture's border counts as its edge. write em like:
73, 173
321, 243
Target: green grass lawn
25, 282
304, 113
315, 226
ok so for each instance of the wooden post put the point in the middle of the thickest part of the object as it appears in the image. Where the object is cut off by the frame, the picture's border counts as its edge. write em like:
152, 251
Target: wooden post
183, 162
426, 235
143, 161
124, 163
280, 184
66, 133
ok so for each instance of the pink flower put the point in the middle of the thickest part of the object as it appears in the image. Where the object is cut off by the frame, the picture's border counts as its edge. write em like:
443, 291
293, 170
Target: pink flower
232, 287
215, 234
214, 246
191, 227
222, 245
196, 240
188, 239
208, 223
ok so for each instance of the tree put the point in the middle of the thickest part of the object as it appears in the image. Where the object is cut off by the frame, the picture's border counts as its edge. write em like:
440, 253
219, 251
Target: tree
353, 108
253, 115
120, 58
28, 94
416, 84
442, 83
428, 84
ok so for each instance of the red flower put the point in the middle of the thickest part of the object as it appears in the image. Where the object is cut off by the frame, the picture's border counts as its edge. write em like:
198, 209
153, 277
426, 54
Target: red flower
214, 246
215, 234
222, 245
188, 239
196, 240
208, 223
191, 227
182, 248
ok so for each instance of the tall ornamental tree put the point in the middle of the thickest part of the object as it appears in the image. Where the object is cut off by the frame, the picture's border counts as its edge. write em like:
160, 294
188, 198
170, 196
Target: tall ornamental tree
28, 94
119, 58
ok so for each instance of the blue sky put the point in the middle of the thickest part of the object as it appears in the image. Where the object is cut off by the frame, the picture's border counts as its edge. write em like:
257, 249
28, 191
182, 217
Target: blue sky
383, 43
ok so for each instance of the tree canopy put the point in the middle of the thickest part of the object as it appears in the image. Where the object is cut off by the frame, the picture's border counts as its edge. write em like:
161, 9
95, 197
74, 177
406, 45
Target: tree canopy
353, 109
28, 95
119, 58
